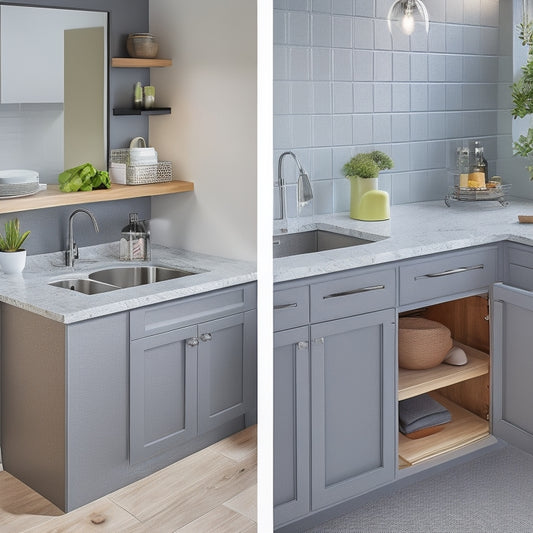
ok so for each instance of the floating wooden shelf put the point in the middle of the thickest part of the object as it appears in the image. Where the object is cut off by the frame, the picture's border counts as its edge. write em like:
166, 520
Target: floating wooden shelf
465, 428
414, 382
53, 197
130, 111
134, 62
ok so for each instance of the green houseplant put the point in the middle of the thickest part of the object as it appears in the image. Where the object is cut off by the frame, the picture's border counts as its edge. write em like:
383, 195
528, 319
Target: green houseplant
366, 201
12, 255
522, 94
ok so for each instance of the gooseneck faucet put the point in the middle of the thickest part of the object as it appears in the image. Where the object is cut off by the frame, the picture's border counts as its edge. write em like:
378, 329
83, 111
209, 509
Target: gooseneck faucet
305, 192
72, 253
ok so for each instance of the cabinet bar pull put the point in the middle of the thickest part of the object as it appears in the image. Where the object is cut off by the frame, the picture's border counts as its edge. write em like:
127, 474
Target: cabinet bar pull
354, 291
284, 306
453, 271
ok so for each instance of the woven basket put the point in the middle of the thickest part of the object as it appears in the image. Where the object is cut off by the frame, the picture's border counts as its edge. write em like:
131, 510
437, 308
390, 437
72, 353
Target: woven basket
422, 343
143, 174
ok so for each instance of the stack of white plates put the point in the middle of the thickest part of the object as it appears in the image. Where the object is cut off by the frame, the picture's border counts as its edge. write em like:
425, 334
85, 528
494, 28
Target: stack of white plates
18, 182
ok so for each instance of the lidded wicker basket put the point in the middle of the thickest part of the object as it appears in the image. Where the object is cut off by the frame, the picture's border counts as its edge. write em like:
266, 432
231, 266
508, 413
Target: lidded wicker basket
422, 343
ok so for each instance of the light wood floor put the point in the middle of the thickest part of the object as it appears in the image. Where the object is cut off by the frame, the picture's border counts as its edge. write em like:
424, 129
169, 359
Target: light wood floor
213, 490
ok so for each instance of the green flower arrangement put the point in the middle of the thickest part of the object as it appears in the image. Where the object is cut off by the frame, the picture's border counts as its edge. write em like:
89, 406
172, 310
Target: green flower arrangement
367, 165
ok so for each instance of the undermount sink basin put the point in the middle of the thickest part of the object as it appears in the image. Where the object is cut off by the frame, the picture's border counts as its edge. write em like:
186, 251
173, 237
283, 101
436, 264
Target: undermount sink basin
86, 286
132, 276
312, 241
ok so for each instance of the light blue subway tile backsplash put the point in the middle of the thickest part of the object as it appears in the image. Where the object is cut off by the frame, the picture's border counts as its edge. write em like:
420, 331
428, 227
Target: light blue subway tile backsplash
401, 97
342, 64
321, 64
363, 65
437, 38
342, 32
362, 129
382, 66
299, 28
322, 130
363, 97
342, 130
401, 70
342, 7
302, 97
382, 97
364, 8
364, 33
342, 97
321, 164
321, 29
322, 6
322, 103
299, 64
322, 197
344, 85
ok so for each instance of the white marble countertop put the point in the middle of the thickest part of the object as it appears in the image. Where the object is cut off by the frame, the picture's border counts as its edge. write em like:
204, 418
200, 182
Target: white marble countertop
30, 290
414, 230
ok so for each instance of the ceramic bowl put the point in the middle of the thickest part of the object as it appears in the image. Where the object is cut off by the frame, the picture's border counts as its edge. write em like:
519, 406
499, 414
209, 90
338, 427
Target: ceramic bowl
142, 45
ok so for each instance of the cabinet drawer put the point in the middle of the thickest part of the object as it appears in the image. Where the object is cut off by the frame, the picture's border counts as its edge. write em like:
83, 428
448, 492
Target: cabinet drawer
353, 295
291, 308
163, 317
520, 268
448, 274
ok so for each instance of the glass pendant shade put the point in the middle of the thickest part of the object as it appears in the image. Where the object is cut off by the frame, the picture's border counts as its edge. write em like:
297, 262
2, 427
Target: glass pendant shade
406, 14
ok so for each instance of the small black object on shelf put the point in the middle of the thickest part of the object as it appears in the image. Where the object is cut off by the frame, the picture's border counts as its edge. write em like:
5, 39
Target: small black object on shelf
132, 111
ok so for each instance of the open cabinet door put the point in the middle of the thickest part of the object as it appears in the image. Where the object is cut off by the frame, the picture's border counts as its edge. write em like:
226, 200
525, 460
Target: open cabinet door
512, 345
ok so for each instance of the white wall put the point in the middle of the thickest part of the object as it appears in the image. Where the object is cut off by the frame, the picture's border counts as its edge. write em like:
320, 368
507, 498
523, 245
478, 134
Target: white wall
211, 134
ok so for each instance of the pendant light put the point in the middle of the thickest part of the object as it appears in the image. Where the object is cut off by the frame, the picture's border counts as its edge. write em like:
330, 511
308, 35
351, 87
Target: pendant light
406, 13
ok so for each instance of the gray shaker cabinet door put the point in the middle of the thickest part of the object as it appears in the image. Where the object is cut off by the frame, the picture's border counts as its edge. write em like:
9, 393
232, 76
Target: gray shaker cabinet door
291, 425
226, 369
512, 346
352, 406
163, 392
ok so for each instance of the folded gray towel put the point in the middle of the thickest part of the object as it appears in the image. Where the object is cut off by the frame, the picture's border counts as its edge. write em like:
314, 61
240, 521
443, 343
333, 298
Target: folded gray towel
421, 412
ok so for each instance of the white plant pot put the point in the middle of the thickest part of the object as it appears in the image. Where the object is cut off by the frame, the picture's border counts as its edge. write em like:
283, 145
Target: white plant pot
13, 262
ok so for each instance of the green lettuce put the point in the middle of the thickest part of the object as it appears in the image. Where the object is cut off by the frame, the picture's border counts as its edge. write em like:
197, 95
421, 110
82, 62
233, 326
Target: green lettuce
83, 178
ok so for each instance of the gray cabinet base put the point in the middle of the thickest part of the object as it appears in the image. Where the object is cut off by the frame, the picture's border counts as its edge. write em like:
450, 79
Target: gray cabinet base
349, 506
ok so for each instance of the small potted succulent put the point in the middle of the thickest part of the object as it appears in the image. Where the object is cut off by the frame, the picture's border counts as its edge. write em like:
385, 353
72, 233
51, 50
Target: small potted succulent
366, 201
12, 256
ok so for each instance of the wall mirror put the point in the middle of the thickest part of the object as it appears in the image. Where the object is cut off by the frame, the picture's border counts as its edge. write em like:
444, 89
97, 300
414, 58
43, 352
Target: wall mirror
53, 89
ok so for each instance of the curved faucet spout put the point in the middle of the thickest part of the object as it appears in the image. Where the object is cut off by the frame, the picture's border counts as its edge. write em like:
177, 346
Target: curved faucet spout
71, 253
305, 191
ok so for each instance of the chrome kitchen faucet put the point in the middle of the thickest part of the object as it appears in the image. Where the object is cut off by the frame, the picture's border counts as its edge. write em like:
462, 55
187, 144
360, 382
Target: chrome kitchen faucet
71, 253
305, 191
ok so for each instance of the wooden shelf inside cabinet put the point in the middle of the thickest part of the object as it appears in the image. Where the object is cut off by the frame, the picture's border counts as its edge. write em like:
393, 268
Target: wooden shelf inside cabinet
120, 111
135, 62
465, 428
414, 382
53, 197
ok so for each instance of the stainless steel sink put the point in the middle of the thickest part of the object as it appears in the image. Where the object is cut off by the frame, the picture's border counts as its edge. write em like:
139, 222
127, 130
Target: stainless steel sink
86, 286
132, 276
312, 241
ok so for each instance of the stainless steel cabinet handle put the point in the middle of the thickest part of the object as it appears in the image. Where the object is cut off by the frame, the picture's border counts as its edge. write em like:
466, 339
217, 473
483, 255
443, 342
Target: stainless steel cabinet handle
453, 271
354, 291
193, 341
276, 243
302, 345
284, 306
205, 337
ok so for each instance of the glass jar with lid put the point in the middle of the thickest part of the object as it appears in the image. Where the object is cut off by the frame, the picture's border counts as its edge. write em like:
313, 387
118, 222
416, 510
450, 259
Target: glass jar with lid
135, 240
